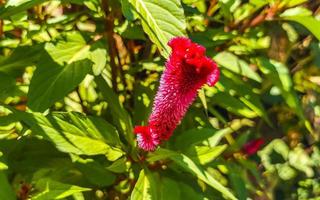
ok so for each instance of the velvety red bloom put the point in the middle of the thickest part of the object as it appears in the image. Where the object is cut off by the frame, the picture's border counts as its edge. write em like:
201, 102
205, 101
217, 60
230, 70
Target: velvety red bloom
253, 146
187, 70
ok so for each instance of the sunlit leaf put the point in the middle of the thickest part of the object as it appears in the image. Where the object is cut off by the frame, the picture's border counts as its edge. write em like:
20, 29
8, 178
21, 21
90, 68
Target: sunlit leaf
161, 20
50, 189
51, 82
145, 188
186, 163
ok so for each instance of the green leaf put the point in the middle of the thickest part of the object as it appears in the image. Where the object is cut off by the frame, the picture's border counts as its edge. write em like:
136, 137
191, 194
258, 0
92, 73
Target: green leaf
72, 46
69, 48
205, 154
248, 9
51, 82
193, 137
122, 117
67, 137
187, 164
20, 58
99, 57
119, 166
246, 94
161, 20
13, 7
127, 10
237, 181
50, 189
311, 23
206, 136
7, 86
291, 3
6, 191
169, 189
233, 63
145, 188
3, 166
94, 171
296, 11
189, 193
279, 75
233, 105
96, 127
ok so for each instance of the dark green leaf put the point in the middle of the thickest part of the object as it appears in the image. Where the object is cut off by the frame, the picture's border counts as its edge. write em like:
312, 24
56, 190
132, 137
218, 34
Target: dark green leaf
51, 82
6, 191
20, 58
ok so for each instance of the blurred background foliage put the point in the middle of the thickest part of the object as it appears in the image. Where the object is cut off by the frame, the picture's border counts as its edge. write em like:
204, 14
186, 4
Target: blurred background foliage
76, 76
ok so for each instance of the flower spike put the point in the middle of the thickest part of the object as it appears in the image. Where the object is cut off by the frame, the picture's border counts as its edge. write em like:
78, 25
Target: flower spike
187, 70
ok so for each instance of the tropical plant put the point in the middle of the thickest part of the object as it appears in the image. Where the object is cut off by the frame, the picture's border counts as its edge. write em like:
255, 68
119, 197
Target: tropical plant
76, 77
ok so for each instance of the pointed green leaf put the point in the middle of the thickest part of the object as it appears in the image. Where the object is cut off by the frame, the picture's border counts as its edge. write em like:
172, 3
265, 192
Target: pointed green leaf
6, 191
233, 63
51, 82
161, 20
187, 164
50, 189
145, 188
13, 7
67, 137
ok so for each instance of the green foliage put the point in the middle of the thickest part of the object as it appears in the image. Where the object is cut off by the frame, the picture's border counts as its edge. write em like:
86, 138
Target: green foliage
77, 76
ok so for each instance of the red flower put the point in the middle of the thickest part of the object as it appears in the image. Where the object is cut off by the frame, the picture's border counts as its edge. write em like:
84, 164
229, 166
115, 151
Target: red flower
187, 70
253, 146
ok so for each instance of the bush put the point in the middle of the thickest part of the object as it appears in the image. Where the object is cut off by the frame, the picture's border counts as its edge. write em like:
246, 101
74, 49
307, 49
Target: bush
76, 77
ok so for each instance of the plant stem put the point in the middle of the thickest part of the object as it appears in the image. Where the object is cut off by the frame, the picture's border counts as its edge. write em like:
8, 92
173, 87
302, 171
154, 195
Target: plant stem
109, 25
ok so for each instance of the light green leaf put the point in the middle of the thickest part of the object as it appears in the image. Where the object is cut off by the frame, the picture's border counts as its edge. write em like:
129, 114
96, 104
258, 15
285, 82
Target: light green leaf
161, 20
3, 166
96, 127
145, 188
51, 82
99, 58
291, 3
187, 164
296, 11
233, 63
119, 166
205, 154
13, 7
67, 137
311, 23
50, 189
72, 47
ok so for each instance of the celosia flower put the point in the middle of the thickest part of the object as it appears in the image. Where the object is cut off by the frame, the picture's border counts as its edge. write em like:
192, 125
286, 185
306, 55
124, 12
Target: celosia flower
252, 147
187, 70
